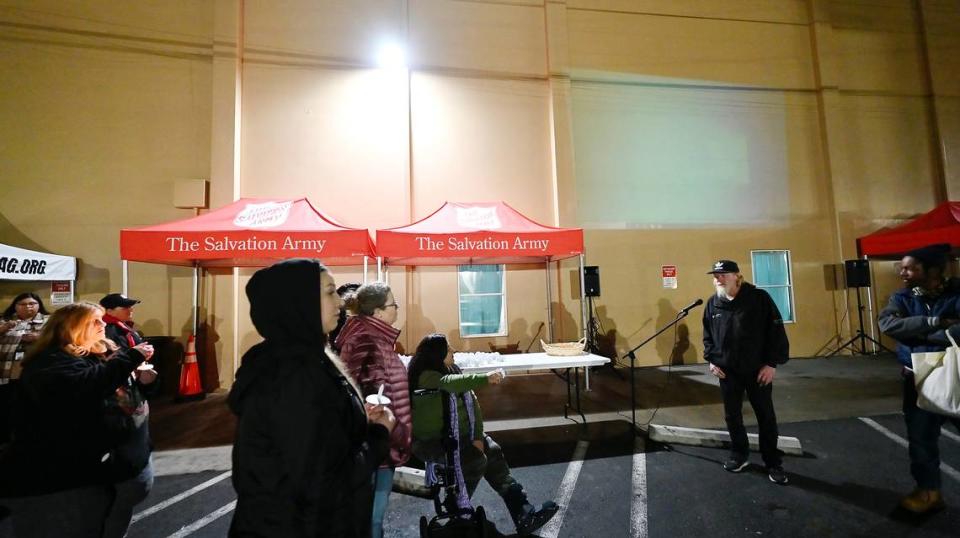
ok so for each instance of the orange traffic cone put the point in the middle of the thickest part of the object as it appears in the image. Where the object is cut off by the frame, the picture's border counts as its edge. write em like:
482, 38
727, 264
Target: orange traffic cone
190, 388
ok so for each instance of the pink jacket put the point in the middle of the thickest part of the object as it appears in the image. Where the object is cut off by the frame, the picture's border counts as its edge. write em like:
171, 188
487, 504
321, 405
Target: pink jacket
367, 348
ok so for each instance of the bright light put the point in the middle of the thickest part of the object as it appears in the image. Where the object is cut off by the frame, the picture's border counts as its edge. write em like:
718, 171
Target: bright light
392, 56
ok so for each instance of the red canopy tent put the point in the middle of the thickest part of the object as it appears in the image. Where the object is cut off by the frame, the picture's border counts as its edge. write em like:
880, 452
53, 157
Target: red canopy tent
479, 233
250, 232
941, 225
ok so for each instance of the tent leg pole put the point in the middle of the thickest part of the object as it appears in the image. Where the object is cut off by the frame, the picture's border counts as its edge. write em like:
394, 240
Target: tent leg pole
124, 271
549, 304
196, 298
379, 269
365, 268
873, 319
583, 318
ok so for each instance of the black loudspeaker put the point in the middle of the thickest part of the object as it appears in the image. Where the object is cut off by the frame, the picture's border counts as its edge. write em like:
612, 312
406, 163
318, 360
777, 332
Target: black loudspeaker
591, 280
858, 273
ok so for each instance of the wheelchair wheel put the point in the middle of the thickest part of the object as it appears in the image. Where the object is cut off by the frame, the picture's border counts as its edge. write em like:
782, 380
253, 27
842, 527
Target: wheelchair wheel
424, 527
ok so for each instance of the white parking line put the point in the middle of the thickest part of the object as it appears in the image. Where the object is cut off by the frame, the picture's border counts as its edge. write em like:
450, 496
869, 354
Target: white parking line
947, 470
638, 508
179, 497
950, 435
565, 491
205, 520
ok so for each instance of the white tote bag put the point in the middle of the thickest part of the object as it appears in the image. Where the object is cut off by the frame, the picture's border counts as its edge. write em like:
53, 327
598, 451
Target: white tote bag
937, 377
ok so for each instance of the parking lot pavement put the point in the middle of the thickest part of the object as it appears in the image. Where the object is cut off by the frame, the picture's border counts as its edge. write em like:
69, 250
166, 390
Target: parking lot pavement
613, 484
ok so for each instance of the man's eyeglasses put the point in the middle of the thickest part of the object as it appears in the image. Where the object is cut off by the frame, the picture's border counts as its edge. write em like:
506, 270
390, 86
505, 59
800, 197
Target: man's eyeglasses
395, 305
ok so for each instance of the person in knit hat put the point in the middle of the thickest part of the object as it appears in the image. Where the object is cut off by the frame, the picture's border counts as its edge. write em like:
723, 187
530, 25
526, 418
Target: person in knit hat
918, 317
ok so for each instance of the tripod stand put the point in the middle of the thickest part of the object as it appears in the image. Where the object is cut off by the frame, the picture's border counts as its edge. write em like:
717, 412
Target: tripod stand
594, 329
861, 336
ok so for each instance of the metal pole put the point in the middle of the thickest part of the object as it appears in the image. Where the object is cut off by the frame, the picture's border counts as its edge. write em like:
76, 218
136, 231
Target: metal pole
873, 319
124, 272
549, 304
196, 298
379, 269
583, 318
365, 260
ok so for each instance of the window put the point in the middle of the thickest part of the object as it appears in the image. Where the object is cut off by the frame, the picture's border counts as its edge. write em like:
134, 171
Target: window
772, 272
483, 309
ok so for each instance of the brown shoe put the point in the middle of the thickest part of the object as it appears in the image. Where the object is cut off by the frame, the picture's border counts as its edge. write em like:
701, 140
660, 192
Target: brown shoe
923, 501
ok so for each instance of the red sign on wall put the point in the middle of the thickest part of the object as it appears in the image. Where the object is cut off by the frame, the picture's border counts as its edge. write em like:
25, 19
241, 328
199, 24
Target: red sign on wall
669, 274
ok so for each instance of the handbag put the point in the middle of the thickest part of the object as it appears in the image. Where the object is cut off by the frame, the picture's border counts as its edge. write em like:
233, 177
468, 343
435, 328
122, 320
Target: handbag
937, 378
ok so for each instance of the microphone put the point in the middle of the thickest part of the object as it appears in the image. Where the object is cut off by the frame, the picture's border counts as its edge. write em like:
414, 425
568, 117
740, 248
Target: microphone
686, 310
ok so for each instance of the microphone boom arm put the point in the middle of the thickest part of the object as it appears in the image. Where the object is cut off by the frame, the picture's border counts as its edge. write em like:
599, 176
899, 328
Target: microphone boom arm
683, 313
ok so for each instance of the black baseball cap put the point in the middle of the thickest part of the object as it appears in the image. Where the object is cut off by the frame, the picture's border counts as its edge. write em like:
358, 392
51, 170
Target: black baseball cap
724, 266
116, 300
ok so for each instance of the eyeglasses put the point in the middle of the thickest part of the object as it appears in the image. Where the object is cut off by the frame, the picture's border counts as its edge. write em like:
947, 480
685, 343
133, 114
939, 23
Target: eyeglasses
395, 305
29, 303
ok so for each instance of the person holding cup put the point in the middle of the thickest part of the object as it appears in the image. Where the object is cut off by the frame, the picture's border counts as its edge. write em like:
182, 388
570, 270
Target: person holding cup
432, 368
367, 346
305, 443
20, 325
61, 450
127, 413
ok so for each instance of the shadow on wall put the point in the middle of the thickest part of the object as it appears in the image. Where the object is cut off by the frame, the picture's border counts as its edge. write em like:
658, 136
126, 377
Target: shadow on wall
674, 344
206, 343
423, 325
565, 326
15, 238
92, 280
606, 334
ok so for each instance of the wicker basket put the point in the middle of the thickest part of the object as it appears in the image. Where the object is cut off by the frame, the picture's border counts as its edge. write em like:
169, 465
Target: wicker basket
565, 349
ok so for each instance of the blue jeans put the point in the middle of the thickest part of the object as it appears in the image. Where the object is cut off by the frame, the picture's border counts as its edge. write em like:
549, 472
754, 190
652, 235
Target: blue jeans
382, 484
129, 493
923, 432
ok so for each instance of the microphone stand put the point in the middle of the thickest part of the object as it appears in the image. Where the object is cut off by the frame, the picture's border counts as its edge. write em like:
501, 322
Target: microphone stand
633, 357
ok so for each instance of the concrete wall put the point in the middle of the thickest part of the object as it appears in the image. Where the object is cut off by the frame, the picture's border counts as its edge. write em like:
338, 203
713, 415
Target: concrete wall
850, 119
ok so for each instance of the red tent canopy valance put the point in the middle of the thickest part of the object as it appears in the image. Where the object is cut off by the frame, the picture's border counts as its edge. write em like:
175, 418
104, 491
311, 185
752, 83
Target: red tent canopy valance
250, 232
941, 225
477, 233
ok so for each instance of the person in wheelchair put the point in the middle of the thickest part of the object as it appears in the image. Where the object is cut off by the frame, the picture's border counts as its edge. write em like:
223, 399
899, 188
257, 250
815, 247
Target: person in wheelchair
432, 369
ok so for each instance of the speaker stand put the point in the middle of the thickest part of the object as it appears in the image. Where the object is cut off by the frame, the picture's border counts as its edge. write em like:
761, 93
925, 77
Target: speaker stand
860, 336
593, 331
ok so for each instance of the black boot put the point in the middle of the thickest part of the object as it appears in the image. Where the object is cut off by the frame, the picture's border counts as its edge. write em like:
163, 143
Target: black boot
526, 517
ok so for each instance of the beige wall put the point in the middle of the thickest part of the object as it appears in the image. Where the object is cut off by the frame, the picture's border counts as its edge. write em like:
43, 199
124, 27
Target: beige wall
104, 109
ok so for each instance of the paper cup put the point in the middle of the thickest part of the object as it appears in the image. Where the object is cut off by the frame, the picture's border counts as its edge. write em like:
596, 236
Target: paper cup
377, 399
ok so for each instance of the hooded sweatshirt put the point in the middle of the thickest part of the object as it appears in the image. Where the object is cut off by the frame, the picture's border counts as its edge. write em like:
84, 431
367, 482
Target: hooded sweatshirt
367, 348
303, 452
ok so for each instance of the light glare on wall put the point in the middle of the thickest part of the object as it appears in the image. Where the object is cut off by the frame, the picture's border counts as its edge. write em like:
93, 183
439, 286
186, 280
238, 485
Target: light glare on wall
392, 56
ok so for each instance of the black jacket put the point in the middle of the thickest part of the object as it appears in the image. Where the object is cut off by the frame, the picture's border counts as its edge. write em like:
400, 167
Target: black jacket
128, 412
60, 437
744, 334
304, 454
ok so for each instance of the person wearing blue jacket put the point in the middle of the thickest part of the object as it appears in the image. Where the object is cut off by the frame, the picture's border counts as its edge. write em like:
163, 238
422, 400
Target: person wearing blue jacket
918, 317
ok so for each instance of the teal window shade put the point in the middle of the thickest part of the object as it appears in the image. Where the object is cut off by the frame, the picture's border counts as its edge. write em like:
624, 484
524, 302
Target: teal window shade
772, 272
482, 300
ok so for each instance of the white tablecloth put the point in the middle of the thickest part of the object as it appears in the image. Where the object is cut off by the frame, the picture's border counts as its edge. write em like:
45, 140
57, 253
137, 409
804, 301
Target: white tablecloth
540, 361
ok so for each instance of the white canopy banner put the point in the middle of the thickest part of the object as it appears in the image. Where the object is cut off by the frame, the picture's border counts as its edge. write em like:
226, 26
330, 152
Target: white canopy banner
22, 264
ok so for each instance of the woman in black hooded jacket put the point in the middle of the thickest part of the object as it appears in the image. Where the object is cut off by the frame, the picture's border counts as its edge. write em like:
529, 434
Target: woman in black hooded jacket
305, 446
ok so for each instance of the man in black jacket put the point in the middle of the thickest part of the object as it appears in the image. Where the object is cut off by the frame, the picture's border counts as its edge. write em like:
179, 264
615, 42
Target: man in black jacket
744, 341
